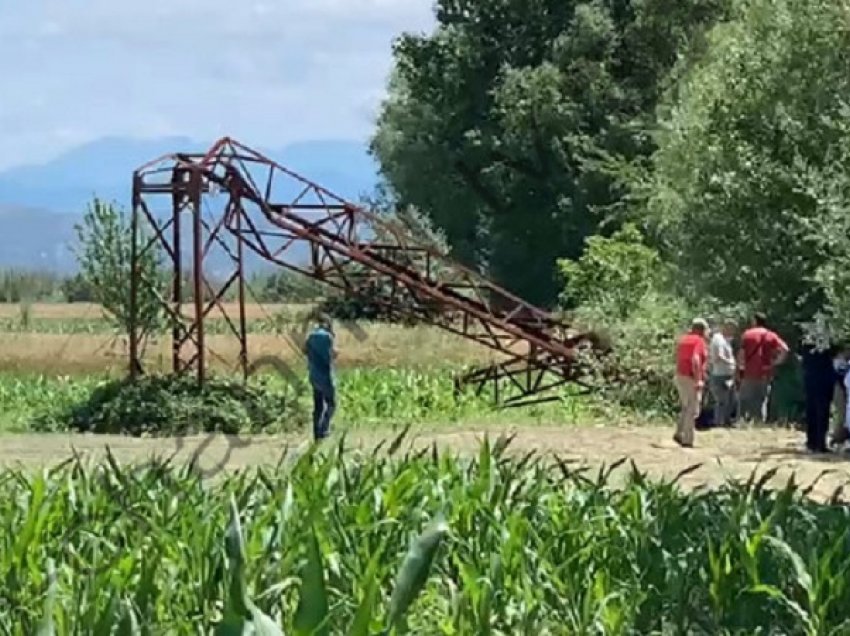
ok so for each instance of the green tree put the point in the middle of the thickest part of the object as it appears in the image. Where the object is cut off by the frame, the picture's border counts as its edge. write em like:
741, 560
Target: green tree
501, 125
76, 289
103, 254
829, 230
18, 285
747, 157
614, 273
286, 286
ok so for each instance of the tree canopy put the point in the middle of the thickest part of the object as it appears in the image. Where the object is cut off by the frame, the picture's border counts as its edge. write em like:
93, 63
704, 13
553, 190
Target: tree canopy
748, 192
499, 125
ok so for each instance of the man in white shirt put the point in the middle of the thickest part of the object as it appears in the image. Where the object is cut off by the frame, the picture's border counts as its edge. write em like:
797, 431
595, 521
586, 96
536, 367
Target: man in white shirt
721, 373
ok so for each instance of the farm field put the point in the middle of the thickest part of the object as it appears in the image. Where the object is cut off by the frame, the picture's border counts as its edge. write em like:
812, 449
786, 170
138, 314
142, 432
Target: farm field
507, 543
666, 182
114, 534
66, 339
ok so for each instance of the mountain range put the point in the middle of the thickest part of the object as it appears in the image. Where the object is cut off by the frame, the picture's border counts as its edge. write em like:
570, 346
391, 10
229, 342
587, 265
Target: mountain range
40, 204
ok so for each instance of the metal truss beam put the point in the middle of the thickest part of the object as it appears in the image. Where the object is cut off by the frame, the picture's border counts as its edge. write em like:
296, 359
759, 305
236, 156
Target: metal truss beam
274, 212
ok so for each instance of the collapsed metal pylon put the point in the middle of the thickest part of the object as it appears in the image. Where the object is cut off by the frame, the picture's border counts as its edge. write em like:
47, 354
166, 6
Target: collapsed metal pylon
274, 212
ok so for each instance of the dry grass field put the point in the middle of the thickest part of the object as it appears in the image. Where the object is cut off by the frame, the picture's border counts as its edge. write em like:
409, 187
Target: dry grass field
77, 311
377, 345
369, 345
383, 345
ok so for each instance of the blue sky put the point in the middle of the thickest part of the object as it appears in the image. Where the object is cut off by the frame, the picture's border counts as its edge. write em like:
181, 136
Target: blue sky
266, 72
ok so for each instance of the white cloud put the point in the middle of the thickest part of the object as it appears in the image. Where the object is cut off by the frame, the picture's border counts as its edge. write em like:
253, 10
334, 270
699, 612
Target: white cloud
269, 71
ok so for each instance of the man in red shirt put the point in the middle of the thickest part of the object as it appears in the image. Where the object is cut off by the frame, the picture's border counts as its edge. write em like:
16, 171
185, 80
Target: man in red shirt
761, 351
691, 357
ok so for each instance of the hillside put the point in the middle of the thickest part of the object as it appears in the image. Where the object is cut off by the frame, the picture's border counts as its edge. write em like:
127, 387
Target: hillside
36, 239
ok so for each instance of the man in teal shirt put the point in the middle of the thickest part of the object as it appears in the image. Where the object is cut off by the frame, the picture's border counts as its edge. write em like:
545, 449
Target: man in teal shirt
320, 352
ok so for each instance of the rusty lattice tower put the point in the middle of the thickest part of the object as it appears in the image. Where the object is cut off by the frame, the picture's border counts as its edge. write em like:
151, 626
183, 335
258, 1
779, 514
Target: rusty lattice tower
264, 209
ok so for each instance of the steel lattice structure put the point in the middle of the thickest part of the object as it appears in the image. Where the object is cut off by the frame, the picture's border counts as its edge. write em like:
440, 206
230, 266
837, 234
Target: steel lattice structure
269, 210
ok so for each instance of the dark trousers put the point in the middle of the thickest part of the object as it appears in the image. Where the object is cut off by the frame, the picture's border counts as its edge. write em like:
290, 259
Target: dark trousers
723, 391
818, 404
324, 404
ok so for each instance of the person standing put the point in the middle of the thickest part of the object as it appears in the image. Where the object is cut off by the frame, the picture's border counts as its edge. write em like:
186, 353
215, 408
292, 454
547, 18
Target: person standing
819, 380
721, 373
320, 352
761, 352
840, 432
691, 358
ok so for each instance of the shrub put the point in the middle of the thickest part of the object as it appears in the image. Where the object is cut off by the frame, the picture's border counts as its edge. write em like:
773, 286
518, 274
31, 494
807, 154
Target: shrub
614, 272
400, 226
285, 286
615, 288
76, 289
639, 368
354, 306
174, 405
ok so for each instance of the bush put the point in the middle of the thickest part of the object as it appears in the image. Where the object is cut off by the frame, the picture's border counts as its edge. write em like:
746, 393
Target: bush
639, 369
285, 286
638, 372
171, 405
616, 272
76, 289
363, 305
400, 226
354, 306
620, 287
614, 289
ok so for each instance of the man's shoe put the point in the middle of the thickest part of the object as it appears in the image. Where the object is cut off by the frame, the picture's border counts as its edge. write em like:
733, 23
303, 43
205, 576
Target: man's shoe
818, 450
679, 441
841, 437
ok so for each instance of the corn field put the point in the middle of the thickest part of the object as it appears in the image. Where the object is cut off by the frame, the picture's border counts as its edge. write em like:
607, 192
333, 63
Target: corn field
369, 398
403, 540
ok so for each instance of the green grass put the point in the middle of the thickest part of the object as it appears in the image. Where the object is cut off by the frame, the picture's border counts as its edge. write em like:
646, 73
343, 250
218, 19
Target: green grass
368, 398
531, 548
23, 397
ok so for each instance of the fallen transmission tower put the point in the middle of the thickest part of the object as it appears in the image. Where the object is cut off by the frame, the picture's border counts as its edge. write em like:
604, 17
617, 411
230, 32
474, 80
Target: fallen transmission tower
269, 211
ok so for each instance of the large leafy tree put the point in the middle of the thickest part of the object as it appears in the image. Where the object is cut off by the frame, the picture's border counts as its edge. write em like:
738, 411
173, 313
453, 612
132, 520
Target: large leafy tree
745, 190
500, 125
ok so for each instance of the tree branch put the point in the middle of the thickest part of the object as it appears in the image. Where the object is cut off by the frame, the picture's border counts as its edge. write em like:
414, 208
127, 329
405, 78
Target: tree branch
473, 180
522, 166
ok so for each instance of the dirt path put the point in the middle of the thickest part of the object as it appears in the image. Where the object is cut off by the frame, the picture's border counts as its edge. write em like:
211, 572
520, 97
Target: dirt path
723, 454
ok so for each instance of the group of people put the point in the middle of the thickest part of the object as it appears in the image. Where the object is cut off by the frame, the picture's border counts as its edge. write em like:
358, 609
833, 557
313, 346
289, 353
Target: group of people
739, 383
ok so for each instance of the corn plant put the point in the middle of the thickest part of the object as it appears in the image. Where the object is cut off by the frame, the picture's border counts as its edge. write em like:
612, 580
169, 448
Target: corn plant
314, 546
311, 617
368, 398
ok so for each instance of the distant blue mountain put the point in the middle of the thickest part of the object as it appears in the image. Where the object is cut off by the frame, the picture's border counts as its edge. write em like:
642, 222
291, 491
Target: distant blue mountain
36, 239
104, 167
39, 204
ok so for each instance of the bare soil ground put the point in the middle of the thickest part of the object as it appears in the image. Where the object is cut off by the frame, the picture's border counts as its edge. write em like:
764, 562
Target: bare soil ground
723, 454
